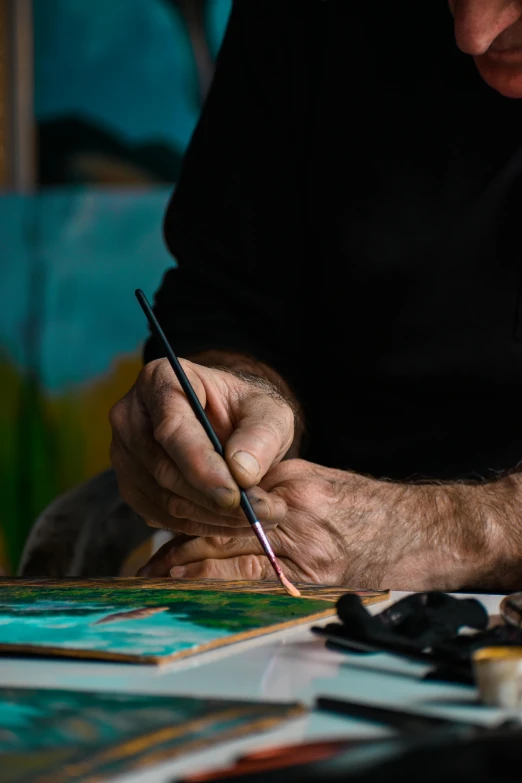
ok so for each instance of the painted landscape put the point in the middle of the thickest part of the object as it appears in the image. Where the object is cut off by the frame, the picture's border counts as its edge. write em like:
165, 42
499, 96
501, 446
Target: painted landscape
141, 626
51, 736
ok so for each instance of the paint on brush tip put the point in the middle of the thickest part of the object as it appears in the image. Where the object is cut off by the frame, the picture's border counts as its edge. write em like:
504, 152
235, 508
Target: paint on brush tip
289, 587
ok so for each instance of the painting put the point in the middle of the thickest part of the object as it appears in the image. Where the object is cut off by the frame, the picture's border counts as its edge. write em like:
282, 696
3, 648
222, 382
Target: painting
317, 592
53, 736
152, 626
119, 86
118, 90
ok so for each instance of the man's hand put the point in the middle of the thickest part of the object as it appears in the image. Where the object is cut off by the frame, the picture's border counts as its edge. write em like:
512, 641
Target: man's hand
311, 544
345, 529
167, 468
334, 534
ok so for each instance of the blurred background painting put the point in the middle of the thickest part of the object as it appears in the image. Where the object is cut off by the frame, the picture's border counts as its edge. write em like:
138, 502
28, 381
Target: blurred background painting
98, 101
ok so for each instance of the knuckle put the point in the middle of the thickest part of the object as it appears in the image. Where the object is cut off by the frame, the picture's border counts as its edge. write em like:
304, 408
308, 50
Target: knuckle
250, 567
155, 381
117, 414
196, 473
294, 470
223, 543
226, 544
164, 473
179, 508
149, 371
209, 570
165, 431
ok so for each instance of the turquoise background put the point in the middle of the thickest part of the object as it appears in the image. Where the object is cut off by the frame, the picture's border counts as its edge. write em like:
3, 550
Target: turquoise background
71, 332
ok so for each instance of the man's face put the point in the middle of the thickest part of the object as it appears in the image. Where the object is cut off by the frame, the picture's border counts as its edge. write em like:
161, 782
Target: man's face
491, 31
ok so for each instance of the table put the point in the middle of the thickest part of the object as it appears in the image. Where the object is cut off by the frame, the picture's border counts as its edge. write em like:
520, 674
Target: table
288, 666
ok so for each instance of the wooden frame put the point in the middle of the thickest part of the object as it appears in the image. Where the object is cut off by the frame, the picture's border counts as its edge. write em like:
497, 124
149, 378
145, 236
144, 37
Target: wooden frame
17, 131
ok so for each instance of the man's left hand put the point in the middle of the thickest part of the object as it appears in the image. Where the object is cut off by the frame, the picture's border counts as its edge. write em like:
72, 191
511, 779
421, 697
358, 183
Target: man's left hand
329, 535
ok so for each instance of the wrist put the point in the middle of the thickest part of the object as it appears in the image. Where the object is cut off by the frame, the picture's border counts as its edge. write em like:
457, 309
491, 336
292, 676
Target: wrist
447, 543
415, 537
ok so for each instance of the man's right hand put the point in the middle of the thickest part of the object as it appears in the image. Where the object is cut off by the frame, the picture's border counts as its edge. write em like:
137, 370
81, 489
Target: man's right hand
166, 466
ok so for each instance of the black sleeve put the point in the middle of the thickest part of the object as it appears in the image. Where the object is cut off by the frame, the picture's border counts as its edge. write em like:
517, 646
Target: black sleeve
235, 221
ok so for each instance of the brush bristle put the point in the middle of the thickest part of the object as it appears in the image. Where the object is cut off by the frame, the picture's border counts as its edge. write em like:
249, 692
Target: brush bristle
289, 587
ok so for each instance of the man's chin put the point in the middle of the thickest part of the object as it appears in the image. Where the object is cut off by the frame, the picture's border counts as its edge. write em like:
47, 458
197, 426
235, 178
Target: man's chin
505, 79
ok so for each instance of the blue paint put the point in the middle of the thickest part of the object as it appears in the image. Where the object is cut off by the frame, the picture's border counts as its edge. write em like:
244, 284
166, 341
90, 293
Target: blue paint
126, 65
89, 249
54, 625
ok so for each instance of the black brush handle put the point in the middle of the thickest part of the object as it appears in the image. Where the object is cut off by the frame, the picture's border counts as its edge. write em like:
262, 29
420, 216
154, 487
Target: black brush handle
190, 394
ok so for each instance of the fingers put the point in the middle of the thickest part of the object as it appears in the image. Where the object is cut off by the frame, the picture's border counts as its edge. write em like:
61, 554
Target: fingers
179, 433
134, 476
137, 457
185, 509
204, 541
170, 512
157, 438
138, 489
249, 567
198, 549
215, 547
158, 565
264, 434
226, 529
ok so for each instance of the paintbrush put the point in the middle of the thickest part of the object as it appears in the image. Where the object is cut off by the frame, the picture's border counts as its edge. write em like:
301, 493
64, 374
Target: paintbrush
207, 426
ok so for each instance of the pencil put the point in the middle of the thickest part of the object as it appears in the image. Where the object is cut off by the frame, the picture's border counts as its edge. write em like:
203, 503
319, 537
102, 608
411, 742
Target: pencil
207, 426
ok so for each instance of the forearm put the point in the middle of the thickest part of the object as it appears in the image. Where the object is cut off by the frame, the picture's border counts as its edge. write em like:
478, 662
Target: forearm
443, 536
249, 367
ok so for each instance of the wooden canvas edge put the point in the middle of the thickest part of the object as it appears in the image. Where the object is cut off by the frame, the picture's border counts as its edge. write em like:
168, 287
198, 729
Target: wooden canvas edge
156, 660
154, 756
246, 635
384, 595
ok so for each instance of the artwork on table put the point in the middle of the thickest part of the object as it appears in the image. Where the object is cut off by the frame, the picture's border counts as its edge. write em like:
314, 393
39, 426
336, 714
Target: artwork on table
113, 621
55, 736
318, 592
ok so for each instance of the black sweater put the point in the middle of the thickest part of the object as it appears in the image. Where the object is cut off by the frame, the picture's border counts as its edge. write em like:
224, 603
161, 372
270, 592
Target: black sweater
350, 212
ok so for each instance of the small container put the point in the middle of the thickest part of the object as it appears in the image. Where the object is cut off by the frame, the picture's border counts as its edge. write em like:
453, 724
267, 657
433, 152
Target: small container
511, 610
498, 675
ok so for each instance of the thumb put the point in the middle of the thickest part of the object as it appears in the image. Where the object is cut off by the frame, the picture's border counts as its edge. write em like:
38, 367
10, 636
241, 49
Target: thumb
263, 435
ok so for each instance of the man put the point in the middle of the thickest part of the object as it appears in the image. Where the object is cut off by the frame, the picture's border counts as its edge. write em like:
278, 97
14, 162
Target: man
347, 232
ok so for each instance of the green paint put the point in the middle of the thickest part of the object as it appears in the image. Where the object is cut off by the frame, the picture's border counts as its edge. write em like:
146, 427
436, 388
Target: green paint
40, 458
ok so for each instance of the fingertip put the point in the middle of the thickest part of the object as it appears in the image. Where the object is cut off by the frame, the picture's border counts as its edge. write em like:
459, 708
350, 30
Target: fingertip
246, 467
225, 497
267, 508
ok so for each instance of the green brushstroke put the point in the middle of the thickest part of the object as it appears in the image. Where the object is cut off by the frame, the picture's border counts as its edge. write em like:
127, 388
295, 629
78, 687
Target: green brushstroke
229, 611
